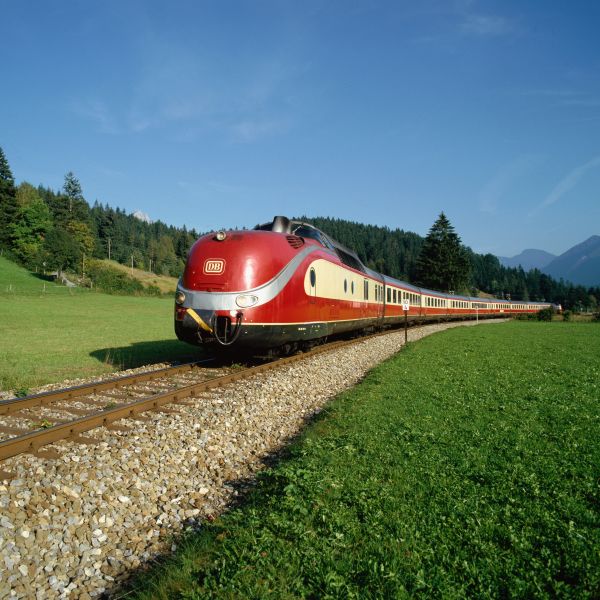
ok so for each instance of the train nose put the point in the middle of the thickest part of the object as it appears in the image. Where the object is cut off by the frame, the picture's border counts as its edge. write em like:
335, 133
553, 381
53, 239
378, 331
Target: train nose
196, 318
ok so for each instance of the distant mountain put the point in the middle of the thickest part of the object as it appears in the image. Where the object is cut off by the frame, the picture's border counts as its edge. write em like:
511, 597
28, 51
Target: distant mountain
528, 259
580, 264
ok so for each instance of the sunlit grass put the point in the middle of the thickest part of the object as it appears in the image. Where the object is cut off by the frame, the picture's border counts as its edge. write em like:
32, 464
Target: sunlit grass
54, 335
467, 466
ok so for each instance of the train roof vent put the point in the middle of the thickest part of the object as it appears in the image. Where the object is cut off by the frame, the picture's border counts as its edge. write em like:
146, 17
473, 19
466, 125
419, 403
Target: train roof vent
295, 241
349, 260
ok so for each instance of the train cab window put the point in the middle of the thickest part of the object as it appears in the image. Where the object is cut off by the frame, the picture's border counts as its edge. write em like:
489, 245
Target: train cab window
314, 234
345, 286
352, 287
313, 278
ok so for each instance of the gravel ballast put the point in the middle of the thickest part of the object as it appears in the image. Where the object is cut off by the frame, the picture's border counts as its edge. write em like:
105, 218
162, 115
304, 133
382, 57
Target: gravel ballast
74, 526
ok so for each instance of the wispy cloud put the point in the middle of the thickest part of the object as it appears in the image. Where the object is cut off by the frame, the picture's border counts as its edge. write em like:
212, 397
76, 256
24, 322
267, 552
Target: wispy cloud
566, 184
250, 130
96, 111
456, 21
498, 187
486, 25
190, 95
564, 97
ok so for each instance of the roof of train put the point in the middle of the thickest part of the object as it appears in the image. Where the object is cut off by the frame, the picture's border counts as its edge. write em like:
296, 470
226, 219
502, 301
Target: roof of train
282, 224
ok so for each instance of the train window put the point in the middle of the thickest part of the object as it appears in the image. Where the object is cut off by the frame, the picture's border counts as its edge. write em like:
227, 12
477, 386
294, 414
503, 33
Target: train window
395, 297
352, 287
366, 293
389, 294
313, 278
345, 286
308, 232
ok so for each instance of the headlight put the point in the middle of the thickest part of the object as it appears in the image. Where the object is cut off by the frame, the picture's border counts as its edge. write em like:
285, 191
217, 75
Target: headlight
246, 300
221, 235
179, 297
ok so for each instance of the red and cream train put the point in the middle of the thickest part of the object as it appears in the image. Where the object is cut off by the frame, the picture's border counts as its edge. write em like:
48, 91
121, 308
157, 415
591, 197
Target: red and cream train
287, 283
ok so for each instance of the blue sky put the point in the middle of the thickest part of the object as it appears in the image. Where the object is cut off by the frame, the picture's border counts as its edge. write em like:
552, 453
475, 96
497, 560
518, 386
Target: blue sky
216, 114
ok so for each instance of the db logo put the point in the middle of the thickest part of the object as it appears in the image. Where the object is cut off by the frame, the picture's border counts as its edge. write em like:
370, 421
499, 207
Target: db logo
214, 266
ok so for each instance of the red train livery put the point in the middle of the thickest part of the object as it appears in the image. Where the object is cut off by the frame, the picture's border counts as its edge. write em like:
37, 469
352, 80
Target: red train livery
286, 284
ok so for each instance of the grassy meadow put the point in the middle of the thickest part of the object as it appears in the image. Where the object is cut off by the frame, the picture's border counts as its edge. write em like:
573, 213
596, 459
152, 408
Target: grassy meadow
467, 466
50, 333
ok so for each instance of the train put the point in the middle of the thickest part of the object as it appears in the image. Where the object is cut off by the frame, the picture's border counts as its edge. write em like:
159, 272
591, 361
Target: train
287, 285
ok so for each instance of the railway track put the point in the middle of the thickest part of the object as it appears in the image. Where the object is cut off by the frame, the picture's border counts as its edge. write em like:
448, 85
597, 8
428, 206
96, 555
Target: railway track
30, 423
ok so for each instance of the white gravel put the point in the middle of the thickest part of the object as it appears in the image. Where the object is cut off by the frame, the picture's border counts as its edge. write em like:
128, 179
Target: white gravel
74, 526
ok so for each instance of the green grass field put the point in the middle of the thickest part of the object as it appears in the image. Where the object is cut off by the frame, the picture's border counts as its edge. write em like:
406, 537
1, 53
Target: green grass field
56, 334
468, 466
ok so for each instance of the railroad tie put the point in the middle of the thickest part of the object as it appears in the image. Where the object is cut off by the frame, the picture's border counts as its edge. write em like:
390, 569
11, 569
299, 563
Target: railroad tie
6, 476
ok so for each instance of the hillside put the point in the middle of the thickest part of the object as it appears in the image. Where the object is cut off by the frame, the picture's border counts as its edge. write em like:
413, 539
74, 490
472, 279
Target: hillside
17, 280
164, 283
580, 264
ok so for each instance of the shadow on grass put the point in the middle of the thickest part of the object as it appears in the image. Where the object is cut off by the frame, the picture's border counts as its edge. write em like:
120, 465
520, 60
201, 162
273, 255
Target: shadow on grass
144, 353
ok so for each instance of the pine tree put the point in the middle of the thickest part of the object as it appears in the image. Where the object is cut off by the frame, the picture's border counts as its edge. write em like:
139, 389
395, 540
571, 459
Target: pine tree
8, 200
72, 189
443, 263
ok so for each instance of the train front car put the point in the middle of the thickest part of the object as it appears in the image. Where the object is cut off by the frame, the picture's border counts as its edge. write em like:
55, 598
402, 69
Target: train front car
253, 289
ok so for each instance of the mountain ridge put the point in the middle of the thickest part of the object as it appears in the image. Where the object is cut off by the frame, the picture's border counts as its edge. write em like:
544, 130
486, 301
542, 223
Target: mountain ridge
531, 258
579, 264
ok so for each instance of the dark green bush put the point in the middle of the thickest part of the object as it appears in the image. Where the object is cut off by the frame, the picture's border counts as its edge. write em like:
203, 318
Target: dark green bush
566, 315
545, 314
113, 281
524, 317
596, 318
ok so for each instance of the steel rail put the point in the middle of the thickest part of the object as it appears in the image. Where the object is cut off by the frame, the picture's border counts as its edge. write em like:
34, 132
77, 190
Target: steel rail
13, 405
70, 431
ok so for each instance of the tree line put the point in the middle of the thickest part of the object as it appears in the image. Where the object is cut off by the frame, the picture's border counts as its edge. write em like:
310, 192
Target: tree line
49, 230
59, 231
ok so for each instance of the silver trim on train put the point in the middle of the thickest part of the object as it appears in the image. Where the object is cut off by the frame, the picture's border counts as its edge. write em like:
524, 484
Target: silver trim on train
265, 292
